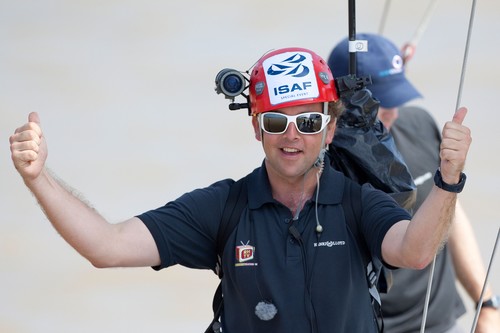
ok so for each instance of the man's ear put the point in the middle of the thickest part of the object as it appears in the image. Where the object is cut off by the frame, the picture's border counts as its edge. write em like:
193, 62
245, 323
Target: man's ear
331, 127
256, 128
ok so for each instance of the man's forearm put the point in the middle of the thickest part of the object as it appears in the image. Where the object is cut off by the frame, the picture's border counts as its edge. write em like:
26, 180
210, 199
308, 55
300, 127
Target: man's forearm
430, 226
414, 244
75, 220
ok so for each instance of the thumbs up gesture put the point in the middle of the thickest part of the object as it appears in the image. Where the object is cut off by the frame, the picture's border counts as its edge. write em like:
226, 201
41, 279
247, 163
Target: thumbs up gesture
28, 148
455, 143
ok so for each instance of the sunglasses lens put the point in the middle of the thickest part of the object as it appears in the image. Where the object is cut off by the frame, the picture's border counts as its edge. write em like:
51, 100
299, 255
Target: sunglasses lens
274, 123
309, 123
306, 123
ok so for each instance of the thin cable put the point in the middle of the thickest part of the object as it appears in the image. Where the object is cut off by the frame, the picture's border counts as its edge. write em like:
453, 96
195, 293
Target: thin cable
319, 227
466, 53
320, 164
408, 50
423, 24
428, 296
480, 302
383, 19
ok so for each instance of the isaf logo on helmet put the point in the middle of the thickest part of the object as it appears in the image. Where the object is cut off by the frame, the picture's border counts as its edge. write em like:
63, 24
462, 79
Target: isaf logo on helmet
288, 77
281, 78
291, 66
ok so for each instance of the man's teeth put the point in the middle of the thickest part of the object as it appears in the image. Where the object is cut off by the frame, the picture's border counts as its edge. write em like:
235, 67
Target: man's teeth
290, 150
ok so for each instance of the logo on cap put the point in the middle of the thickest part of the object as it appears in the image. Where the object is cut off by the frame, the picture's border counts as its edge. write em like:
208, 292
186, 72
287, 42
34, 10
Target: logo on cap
397, 67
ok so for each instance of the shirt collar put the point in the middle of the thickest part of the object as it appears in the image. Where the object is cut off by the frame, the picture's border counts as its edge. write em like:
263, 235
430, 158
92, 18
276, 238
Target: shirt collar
259, 191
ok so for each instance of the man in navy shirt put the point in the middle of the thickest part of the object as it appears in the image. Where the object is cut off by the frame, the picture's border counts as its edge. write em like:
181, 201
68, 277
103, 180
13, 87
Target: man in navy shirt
292, 264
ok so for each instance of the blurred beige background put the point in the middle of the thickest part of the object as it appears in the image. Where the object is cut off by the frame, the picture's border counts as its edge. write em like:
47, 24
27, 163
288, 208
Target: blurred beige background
111, 81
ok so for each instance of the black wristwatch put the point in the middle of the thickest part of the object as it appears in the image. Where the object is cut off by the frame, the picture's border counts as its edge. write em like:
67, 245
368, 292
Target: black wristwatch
456, 188
493, 302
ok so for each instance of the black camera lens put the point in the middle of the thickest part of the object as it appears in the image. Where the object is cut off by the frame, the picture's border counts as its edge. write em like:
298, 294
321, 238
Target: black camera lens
230, 82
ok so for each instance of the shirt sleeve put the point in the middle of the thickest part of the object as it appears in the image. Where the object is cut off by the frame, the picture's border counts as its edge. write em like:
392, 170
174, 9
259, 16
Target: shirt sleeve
380, 213
185, 230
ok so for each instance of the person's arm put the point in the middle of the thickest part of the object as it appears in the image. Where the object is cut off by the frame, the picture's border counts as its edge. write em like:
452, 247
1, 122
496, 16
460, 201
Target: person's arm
470, 270
105, 245
414, 244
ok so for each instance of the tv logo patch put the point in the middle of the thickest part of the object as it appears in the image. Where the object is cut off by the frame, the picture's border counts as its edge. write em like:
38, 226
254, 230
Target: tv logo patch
244, 254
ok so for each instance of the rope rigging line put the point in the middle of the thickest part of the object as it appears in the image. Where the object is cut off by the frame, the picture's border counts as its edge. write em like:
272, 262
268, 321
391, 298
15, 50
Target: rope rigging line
480, 302
466, 53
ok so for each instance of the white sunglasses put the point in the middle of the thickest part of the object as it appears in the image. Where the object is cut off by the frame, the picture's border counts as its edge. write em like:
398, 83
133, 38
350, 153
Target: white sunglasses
306, 123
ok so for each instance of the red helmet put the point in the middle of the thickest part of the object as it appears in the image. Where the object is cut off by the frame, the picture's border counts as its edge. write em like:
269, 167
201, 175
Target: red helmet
290, 77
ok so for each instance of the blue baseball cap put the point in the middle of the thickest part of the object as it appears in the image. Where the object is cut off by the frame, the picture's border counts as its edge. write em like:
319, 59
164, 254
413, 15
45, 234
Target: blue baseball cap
383, 62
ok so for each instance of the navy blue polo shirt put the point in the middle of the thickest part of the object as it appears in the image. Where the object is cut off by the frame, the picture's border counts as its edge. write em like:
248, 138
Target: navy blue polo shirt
317, 283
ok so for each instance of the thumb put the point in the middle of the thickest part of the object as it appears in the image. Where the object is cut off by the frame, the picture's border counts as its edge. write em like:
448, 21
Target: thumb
459, 115
33, 117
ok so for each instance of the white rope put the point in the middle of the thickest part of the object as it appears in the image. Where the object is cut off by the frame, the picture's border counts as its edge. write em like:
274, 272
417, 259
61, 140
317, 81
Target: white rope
480, 302
428, 296
466, 53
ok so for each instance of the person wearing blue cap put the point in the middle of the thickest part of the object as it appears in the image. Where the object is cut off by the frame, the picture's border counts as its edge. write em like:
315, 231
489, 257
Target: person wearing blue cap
418, 139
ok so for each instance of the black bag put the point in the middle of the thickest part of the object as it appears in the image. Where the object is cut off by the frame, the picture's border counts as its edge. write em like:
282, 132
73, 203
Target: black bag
365, 151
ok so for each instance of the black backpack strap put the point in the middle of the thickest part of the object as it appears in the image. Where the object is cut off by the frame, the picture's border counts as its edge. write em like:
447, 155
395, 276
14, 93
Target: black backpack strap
351, 203
237, 200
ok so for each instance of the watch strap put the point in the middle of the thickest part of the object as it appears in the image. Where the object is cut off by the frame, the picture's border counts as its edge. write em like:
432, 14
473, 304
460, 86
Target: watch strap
455, 188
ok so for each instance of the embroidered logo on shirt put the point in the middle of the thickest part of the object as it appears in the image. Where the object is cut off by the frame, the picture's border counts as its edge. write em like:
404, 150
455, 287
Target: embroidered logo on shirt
245, 253
329, 243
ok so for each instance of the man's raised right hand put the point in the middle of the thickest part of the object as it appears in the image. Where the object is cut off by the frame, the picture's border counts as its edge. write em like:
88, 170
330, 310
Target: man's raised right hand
29, 148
